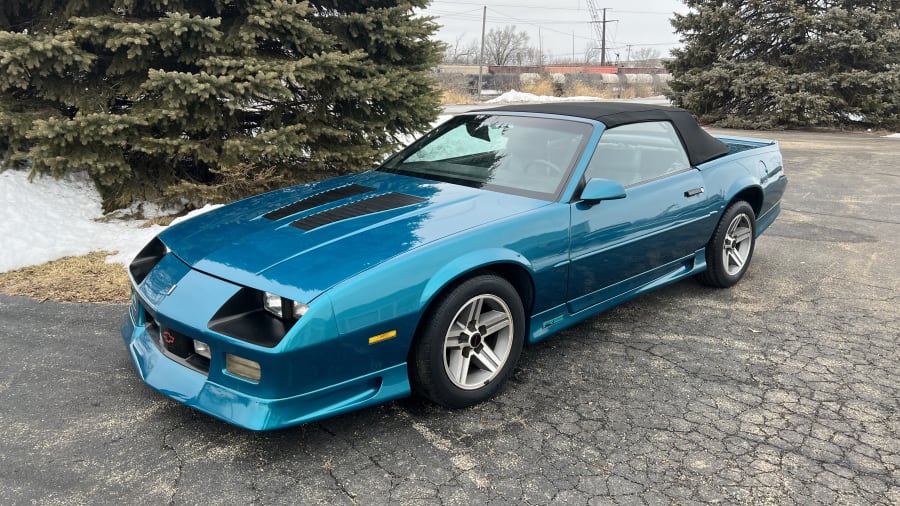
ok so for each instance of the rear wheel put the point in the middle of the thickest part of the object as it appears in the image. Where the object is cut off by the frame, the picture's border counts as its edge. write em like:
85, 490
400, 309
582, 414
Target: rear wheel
469, 343
729, 251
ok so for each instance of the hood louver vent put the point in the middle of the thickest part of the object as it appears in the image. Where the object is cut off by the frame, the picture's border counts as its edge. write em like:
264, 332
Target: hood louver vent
317, 200
355, 209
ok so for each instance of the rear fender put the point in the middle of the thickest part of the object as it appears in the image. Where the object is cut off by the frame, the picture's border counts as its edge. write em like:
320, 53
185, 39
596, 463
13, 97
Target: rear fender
743, 184
749, 191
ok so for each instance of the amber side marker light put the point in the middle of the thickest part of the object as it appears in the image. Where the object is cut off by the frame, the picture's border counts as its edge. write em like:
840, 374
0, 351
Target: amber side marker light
242, 367
383, 337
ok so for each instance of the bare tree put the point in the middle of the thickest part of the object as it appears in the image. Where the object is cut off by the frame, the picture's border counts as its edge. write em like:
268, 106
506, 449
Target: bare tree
452, 49
505, 46
471, 51
590, 52
531, 56
645, 57
460, 53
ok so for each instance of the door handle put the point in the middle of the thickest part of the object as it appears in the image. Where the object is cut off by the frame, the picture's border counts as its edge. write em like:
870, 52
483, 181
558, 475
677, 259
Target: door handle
694, 192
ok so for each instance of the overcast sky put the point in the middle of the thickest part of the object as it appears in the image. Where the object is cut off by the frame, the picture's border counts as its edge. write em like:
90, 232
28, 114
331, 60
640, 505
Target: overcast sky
556, 24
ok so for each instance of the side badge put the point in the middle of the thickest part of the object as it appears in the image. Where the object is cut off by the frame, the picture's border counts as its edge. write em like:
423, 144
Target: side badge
171, 289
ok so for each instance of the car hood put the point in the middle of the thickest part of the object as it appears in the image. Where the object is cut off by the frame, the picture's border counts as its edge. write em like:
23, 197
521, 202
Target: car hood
302, 240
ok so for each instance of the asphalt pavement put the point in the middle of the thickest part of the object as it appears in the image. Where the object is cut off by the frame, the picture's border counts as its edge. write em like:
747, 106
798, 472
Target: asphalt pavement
782, 390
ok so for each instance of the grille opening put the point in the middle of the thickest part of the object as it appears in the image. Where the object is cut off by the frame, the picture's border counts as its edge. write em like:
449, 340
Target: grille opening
175, 345
180, 346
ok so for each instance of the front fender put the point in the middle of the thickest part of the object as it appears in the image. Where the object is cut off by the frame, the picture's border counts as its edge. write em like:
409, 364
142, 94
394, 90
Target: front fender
467, 263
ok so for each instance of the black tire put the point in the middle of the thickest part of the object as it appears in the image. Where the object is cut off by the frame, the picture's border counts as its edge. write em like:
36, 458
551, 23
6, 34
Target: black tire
728, 245
454, 371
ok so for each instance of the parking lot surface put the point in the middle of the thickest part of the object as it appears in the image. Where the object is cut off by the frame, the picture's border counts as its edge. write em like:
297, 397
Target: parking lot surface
782, 390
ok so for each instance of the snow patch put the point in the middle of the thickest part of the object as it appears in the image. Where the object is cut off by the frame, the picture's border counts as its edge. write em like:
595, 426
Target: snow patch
146, 210
893, 136
518, 97
48, 219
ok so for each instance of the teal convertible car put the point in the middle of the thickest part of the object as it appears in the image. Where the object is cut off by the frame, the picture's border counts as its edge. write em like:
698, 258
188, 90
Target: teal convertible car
429, 274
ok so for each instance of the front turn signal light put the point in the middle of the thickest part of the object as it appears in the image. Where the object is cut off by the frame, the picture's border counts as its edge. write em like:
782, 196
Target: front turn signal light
242, 367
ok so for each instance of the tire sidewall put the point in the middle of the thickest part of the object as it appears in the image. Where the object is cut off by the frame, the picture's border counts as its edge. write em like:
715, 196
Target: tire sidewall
429, 353
718, 245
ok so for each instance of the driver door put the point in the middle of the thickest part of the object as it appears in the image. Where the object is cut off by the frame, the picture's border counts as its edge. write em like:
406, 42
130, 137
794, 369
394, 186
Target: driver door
620, 245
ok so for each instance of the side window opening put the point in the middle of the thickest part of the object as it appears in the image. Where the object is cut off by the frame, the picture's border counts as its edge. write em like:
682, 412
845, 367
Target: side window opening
639, 152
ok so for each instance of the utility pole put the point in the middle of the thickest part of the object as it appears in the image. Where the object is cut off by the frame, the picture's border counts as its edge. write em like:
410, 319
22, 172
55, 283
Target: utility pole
481, 58
540, 50
573, 47
600, 27
603, 41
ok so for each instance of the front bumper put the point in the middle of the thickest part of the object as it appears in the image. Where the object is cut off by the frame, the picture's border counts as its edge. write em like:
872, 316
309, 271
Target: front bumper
196, 390
302, 380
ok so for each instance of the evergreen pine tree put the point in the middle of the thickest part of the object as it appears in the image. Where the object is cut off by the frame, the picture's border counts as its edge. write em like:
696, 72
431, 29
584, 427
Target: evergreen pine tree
210, 99
794, 63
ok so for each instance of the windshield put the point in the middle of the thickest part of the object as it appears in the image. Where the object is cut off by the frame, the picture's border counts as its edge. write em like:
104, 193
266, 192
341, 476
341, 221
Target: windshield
512, 154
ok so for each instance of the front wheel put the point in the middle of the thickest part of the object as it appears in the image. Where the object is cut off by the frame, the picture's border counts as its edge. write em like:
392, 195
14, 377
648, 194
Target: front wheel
469, 343
729, 251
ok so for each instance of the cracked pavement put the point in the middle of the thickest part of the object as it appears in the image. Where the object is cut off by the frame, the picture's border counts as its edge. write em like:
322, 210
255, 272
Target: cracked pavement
781, 390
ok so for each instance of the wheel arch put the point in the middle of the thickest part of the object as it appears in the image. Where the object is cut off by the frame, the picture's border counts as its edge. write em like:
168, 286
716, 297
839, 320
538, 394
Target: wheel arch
514, 270
506, 263
753, 195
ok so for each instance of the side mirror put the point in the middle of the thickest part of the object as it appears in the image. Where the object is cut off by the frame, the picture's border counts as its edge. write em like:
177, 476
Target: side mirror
602, 189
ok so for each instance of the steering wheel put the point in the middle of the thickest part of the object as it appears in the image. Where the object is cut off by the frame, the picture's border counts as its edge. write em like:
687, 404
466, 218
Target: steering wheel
543, 167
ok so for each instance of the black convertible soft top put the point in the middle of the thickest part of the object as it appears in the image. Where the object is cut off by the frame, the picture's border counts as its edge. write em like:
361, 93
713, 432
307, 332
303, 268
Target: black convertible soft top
701, 147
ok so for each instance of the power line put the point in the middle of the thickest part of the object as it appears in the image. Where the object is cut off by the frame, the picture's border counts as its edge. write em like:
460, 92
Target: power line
463, 15
545, 7
467, 15
537, 25
541, 23
455, 13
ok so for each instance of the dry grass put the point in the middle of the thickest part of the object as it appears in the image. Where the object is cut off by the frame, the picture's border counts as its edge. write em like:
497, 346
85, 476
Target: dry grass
86, 278
636, 91
542, 87
545, 87
450, 96
580, 89
162, 220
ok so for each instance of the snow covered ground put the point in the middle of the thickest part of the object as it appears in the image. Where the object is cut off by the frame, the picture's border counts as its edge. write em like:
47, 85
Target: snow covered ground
518, 97
48, 219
